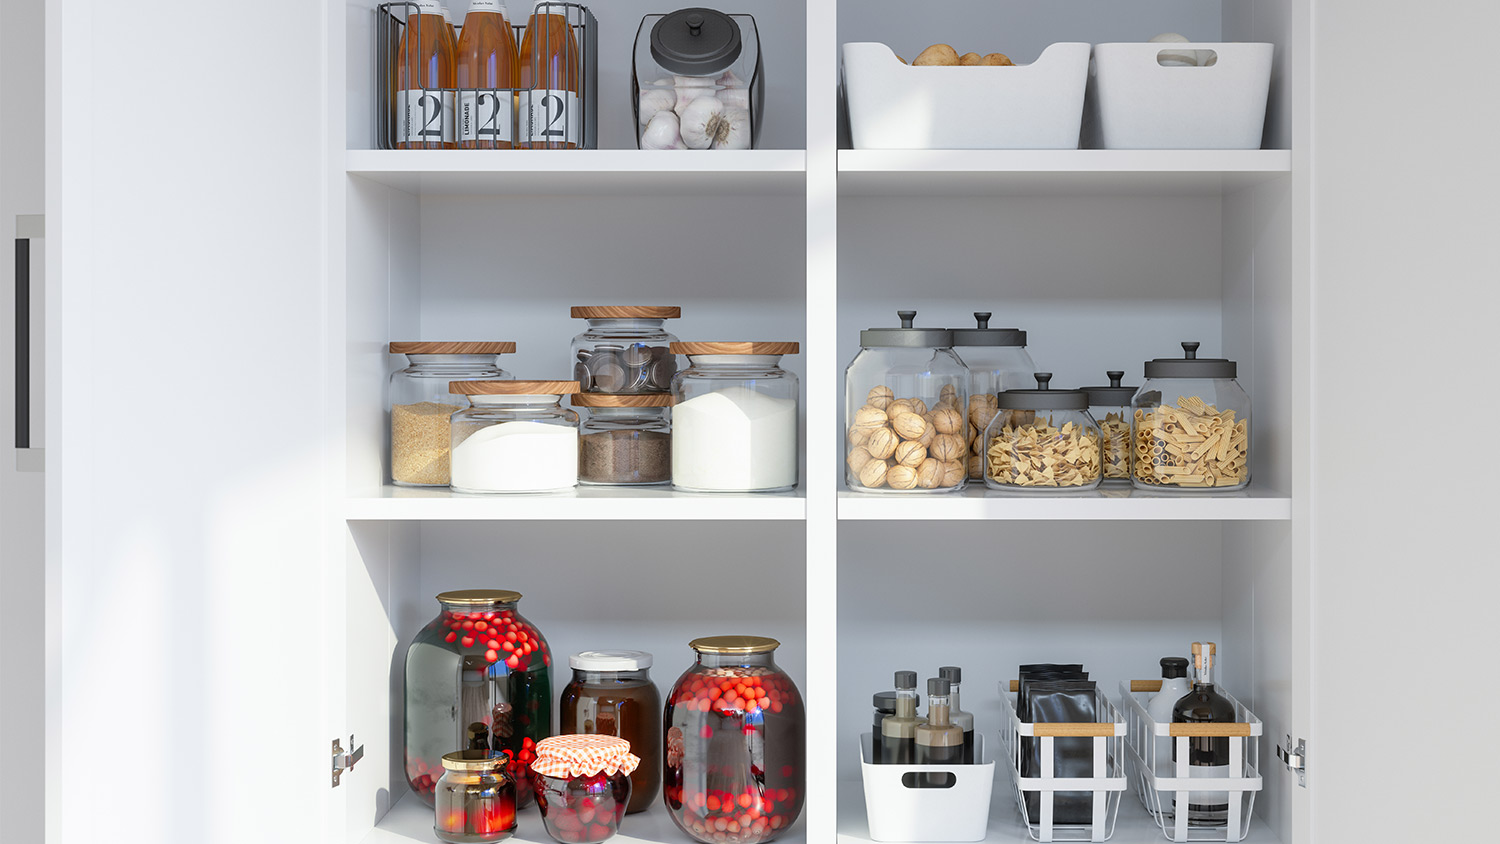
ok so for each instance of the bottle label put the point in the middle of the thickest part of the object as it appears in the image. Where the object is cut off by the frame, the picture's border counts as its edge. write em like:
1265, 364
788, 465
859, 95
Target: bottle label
551, 116
424, 116
486, 6
484, 116
422, 7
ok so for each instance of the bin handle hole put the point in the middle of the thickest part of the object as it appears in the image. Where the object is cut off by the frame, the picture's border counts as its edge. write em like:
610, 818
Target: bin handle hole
937, 779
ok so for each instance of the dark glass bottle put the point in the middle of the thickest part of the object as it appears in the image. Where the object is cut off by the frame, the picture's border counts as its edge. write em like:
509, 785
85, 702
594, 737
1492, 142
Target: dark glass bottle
965, 720
898, 732
1208, 757
885, 704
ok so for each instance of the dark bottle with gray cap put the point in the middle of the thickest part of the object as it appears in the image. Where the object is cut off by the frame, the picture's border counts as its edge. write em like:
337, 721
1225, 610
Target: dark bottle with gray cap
939, 740
898, 731
965, 720
1191, 425
1042, 440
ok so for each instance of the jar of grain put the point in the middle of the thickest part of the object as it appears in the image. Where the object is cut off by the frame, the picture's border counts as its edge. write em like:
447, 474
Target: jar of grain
1110, 407
1042, 439
515, 436
997, 361
735, 423
625, 349
624, 440
420, 403
1191, 425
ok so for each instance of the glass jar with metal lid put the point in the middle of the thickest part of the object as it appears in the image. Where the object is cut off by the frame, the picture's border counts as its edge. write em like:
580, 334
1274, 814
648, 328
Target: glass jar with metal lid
421, 403
1110, 407
476, 798
697, 81
515, 436
997, 361
478, 677
1042, 439
612, 694
735, 421
625, 350
1191, 425
624, 440
736, 743
904, 400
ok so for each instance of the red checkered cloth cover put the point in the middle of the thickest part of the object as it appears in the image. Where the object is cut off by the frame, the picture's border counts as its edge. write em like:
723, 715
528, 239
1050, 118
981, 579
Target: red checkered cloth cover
566, 757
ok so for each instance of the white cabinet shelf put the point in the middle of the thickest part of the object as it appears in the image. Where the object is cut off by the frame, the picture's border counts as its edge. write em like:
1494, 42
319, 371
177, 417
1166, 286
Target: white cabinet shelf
393, 503
1250, 504
584, 172
1056, 172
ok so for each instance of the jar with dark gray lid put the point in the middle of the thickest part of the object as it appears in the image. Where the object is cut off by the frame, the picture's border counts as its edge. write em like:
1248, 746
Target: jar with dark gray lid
905, 395
1191, 425
997, 361
698, 81
1042, 439
626, 349
1110, 407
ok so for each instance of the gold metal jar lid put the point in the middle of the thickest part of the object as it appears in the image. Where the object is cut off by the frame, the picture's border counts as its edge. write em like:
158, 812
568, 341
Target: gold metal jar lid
479, 597
734, 645
472, 760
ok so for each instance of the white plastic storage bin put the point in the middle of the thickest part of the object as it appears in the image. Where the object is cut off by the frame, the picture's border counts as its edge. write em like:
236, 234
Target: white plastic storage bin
1158, 783
1034, 106
898, 810
1107, 783
1136, 103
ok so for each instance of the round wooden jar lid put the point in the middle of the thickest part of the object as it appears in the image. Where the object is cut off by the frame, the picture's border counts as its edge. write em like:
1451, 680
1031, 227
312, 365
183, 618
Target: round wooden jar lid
612, 400
452, 347
513, 388
626, 312
734, 347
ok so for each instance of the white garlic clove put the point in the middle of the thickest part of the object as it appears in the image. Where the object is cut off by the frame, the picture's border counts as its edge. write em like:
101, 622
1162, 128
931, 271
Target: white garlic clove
737, 136
735, 97
662, 132
655, 100
689, 88
729, 80
702, 121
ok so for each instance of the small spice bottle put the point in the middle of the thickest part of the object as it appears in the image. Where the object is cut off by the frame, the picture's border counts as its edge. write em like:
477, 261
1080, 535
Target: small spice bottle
582, 786
1110, 407
515, 437
1042, 439
476, 798
625, 349
735, 423
421, 403
624, 440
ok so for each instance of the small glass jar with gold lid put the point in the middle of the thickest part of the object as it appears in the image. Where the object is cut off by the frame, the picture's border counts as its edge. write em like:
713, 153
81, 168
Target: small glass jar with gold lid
476, 798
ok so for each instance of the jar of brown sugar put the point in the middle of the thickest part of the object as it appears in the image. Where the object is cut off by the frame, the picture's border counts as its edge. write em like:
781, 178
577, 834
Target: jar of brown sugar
421, 403
624, 440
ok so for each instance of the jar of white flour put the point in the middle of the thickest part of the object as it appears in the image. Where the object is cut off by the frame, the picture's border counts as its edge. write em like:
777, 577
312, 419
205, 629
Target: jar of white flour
515, 436
734, 424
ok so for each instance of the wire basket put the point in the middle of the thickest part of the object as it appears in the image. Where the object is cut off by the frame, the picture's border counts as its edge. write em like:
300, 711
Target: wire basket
1106, 785
1161, 782
418, 117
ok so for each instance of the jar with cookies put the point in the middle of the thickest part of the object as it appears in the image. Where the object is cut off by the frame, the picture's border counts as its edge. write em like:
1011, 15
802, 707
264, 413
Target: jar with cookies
997, 361
1110, 407
1190, 423
1042, 440
905, 395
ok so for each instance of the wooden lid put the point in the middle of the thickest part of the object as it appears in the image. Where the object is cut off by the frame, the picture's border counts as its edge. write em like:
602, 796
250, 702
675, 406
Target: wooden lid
627, 312
453, 347
734, 347
512, 388
612, 400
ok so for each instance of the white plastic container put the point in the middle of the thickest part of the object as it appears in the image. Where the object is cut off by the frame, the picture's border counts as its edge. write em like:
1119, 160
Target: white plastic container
1033, 106
1136, 103
899, 811
1107, 784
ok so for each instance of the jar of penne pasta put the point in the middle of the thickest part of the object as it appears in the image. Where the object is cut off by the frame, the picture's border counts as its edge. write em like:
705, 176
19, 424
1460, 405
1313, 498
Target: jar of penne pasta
1042, 439
1190, 423
1110, 407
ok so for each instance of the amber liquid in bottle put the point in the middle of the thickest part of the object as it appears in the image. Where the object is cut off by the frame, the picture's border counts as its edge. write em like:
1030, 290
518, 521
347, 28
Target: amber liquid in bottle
1208, 757
487, 64
551, 116
426, 60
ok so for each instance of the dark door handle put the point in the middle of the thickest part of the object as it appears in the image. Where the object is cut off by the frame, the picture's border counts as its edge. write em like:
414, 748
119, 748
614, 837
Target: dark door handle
23, 342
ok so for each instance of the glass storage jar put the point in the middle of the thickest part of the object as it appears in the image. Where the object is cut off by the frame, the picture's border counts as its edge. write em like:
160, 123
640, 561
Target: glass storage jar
611, 694
1042, 439
420, 403
582, 785
904, 395
735, 744
515, 436
476, 798
1110, 407
997, 361
1191, 425
697, 81
734, 425
625, 349
625, 440
477, 676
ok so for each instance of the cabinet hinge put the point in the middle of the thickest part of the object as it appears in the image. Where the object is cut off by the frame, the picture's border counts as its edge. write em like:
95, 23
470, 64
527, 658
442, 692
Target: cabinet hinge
345, 761
1294, 756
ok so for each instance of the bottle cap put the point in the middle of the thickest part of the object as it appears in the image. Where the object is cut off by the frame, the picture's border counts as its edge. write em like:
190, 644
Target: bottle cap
610, 660
1043, 397
939, 686
907, 336
1173, 667
906, 680
1190, 365
951, 673
884, 702
983, 335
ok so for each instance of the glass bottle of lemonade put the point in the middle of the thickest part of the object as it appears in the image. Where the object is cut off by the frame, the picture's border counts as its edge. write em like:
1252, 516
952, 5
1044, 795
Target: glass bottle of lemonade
425, 78
552, 114
487, 64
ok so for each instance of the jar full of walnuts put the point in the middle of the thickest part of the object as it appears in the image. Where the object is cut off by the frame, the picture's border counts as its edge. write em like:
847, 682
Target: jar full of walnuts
905, 395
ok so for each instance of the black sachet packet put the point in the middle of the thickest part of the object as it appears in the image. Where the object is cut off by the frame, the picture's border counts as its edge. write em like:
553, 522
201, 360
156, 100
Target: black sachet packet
1053, 701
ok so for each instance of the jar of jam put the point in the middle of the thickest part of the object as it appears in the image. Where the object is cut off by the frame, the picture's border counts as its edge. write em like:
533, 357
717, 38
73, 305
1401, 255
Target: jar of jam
478, 677
476, 798
611, 694
582, 786
735, 744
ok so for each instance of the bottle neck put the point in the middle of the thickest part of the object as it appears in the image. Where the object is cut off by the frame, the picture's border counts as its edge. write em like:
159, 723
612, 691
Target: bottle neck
717, 660
1203, 674
906, 703
938, 712
953, 704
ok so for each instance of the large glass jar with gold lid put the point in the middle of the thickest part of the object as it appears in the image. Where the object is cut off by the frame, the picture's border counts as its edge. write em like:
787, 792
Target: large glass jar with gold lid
736, 743
478, 677
421, 403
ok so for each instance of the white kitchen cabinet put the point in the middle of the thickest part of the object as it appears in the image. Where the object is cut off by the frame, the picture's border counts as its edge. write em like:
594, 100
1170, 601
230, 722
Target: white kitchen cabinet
230, 582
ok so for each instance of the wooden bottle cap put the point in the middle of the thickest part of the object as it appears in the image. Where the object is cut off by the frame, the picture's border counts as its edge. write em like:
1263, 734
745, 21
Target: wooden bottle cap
452, 347
626, 312
612, 400
734, 347
512, 388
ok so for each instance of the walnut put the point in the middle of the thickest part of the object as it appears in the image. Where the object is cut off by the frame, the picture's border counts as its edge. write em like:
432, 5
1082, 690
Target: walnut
927, 438
948, 447
869, 417
898, 406
918, 406
901, 477
858, 457
948, 392
909, 426
953, 473
947, 420
981, 414
930, 474
910, 454
873, 474
859, 436
882, 443
976, 466
880, 396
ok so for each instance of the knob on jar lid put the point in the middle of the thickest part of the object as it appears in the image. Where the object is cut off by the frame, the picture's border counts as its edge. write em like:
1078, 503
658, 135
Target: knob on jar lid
1043, 398
907, 336
734, 644
1114, 395
983, 335
610, 661
696, 42
1190, 365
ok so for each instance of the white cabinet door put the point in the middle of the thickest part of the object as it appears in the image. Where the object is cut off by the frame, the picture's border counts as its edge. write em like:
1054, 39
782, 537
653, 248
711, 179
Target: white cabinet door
186, 520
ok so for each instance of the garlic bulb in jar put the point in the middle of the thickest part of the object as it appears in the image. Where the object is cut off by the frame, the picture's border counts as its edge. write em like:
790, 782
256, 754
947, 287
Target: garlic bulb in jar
658, 98
707, 123
662, 132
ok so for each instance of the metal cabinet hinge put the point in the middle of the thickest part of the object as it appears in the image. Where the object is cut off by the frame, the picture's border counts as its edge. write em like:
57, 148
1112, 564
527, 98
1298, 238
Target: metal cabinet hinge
1294, 756
344, 761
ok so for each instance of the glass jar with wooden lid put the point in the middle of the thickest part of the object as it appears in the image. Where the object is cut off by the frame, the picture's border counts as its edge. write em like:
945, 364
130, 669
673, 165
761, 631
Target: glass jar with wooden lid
515, 436
624, 440
625, 349
735, 423
421, 403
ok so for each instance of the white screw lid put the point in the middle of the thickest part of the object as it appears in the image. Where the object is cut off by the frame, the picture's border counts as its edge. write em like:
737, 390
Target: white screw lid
610, 661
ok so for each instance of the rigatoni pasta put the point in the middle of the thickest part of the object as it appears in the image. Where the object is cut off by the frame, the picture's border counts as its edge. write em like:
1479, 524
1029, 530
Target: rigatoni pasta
1192, 444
